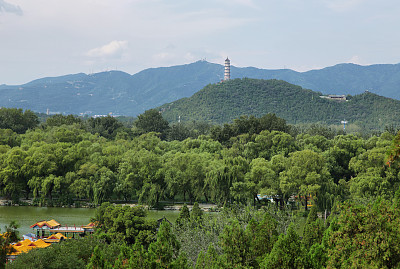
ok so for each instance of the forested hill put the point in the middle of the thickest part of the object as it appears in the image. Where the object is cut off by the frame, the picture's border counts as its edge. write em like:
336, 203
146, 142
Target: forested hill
125, 94
223, 102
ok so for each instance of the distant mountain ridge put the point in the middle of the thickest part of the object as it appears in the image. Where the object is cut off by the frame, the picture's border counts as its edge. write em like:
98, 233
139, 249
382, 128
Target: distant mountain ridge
124, 94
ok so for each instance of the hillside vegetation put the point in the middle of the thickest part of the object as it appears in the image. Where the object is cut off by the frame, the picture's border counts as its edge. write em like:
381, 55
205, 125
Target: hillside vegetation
223, 102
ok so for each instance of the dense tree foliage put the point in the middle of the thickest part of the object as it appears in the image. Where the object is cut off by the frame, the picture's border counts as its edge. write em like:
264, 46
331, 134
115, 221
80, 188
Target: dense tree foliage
17, 120
245, 162
357, 236
58, 120
279, 170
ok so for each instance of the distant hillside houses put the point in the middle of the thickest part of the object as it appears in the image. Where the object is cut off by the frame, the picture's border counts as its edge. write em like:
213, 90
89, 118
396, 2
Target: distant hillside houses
334, 97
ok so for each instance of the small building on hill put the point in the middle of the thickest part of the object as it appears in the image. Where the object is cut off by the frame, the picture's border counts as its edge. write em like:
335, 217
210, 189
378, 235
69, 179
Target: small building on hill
334, 97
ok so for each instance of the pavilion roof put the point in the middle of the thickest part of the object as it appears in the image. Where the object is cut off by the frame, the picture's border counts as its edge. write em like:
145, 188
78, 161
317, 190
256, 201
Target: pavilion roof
41, 244
25, 242
90, 225
26, 245
51, 224
57, 236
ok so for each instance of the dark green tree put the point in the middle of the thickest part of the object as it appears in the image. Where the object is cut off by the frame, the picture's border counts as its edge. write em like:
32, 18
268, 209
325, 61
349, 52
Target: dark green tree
164, 251
107, 127
17, 120
152, 121
262, 236
313, 230
235, 244
286, 252
184, 215
196, 214
58, 120
178, 132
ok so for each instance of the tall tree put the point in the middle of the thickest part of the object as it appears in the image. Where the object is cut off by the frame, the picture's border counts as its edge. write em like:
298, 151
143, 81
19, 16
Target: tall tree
164, 252
105, 126
152, 121
304, 175
286, 252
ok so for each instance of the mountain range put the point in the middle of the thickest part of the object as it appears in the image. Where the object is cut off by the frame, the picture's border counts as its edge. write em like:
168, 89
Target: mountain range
120, 93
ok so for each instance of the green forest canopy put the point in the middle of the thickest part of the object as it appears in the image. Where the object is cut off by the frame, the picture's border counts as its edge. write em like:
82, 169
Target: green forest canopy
98, 160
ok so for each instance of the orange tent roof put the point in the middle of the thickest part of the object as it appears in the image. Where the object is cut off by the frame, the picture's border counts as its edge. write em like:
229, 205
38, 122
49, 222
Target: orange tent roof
40, 224
57, 236
26, 242
26, 245
41, 244
89, 226
16, 252
51, 224
21, 249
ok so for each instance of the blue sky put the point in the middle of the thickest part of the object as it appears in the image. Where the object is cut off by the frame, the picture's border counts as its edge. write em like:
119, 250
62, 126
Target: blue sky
40, 38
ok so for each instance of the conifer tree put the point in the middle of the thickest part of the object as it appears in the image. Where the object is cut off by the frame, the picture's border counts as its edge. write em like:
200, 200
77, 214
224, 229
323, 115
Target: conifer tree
166, 248
286, 252
313, 230
196, 213
184, 216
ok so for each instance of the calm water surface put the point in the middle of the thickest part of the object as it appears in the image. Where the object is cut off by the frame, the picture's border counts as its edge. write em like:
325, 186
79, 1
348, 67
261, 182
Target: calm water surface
28, 215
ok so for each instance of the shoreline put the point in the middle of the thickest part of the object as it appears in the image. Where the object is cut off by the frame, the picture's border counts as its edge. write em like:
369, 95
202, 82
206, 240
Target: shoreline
172, 207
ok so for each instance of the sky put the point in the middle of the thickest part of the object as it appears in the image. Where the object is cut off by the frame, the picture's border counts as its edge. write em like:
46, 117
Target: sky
44, 38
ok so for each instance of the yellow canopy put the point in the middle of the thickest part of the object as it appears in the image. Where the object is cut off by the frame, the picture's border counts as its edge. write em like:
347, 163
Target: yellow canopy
26, 242
26, 245
41, 244
50, 224
53, 223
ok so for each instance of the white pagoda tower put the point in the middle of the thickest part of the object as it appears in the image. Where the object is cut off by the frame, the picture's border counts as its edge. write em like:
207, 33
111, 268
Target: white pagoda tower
227, 73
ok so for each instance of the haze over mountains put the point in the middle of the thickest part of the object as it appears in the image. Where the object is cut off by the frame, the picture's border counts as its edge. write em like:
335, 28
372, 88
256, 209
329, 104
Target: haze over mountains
124, 94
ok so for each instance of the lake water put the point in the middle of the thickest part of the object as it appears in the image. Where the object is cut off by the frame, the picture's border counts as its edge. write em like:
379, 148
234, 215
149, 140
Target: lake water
28, 215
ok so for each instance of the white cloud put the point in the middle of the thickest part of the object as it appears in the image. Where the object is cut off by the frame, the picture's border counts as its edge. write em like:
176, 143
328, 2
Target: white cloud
163, 57
343, 5
355, 60
190, 57
10, 8
248, 3
112, 49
